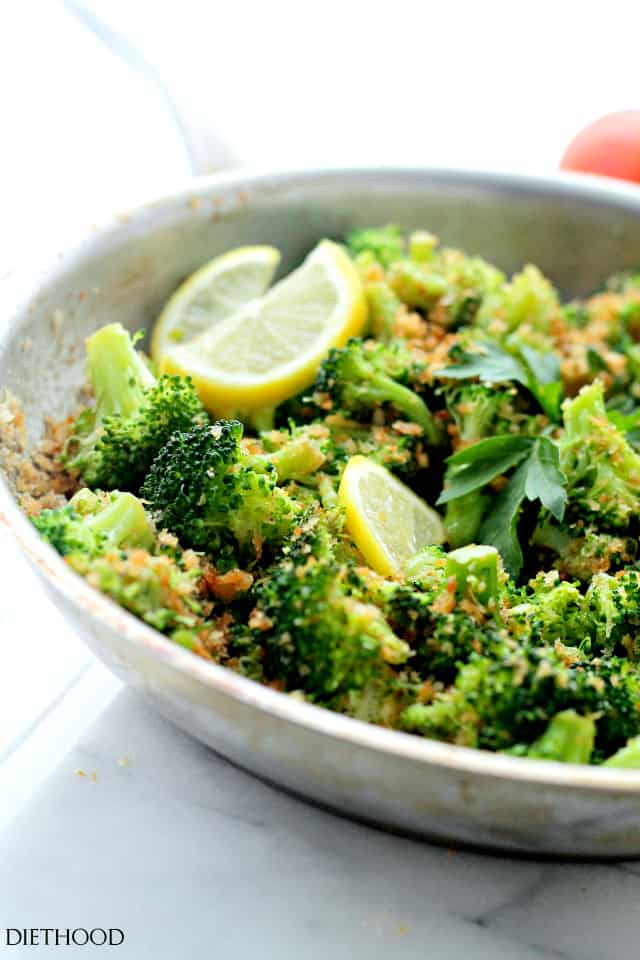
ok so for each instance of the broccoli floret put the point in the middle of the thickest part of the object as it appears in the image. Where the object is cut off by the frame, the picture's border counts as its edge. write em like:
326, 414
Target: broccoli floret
581, 551
318, 632
400, 447
478, 411
613, 603
526, 307
602, 469
627, 758
92, 523
551, 611
384, 244
384, 309
477, 573
509, 698
114, 442
469, 281
448, 607
568, 739
364, 375
426, 568
419, 285
161, 590
213, 495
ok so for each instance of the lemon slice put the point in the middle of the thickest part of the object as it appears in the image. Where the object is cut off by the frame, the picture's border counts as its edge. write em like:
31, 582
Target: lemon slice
386, 519
212, 293
271, 348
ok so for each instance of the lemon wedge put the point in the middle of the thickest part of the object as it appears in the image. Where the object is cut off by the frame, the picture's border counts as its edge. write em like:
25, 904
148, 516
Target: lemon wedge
212, 293
271, 348
386, 519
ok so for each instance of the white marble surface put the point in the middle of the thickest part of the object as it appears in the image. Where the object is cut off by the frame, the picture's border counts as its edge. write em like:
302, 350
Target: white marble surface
194, 858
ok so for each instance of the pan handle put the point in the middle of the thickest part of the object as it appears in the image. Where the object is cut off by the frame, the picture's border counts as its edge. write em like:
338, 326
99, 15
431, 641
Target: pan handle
207, 152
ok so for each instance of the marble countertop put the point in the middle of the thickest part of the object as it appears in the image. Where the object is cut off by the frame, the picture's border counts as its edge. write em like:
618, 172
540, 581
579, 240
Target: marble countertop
142, 828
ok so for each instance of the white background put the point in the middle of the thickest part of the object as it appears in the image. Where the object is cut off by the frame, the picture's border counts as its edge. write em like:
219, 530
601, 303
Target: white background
499, 85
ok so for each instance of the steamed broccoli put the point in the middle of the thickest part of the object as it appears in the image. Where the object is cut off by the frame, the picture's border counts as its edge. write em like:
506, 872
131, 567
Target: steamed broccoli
627, 757
509, 697
92, 523
319, 636
160, 589
603, 470
526, 306
567, 739
364, 375
448, 607
580, 551
205, 488
114, 442
383, 244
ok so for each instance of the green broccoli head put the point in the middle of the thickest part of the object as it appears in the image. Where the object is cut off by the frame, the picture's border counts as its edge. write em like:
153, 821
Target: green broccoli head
161, 589
114, 442
92, 523
526, 306
509, 698
317, 630
382, 244
580, 551
478, 411
550, 611
603, 470
214, 496
365, 375
613, 603
448, 607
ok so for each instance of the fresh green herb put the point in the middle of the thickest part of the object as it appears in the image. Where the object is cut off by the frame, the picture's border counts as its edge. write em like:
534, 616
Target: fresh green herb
537, 478
538, 372
483, 462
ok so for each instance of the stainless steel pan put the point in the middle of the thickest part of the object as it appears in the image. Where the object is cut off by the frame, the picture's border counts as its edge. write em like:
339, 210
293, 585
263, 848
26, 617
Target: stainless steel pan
576, 229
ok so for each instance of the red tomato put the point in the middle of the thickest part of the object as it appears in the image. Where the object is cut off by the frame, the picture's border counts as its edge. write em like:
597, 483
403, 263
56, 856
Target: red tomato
610, 146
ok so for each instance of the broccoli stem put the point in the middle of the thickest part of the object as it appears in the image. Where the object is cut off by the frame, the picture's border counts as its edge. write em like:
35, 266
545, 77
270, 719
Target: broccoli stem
376, 388
123, 520
383, 309
328, 492
422, 245
262, 419
425, 565
627, 758
117, 371
416, 285
372, 624
298, 458
476, 570
463, 518
568, 739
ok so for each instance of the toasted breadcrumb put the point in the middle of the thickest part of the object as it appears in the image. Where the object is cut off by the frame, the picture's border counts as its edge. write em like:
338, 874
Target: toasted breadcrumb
39, 479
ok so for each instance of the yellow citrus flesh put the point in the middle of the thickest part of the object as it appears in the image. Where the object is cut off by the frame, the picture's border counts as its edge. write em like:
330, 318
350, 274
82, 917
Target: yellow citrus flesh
271, 348
386, 520
213, 293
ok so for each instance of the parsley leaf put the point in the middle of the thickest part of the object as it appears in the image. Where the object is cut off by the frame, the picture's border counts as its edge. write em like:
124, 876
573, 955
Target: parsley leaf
538, 478
491, 363
480, 463
545, 481
500, 526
